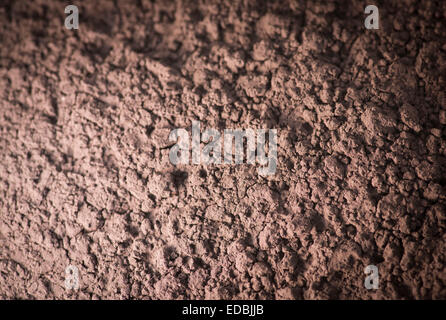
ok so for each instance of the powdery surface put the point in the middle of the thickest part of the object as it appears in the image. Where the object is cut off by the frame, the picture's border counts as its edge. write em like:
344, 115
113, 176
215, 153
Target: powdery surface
85, 177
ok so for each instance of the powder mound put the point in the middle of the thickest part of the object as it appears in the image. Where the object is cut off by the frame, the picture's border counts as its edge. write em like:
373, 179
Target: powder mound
379, 121
334, 167
410, 117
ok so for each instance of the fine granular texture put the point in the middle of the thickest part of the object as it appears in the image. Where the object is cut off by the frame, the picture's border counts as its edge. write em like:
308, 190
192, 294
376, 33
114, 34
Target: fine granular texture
85, 176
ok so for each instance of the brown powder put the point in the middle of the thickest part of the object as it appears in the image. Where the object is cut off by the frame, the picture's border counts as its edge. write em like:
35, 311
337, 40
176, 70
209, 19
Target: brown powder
85, 176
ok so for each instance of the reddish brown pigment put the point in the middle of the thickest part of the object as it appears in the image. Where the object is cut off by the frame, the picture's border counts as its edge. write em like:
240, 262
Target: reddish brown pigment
85, 177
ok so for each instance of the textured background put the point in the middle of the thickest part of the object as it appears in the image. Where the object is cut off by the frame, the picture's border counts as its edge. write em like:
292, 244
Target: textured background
85, 177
